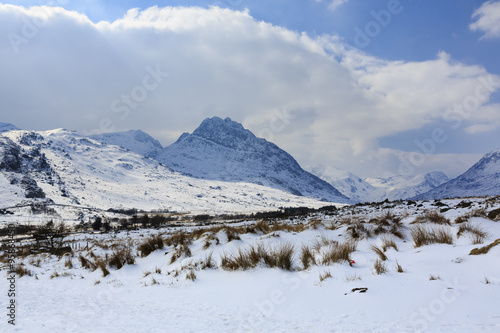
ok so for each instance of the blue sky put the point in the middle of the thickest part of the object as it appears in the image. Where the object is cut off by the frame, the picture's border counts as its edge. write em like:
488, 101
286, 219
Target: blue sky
361, 81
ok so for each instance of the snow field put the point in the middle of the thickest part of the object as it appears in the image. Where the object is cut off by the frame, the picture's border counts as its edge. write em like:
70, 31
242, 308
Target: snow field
441, 289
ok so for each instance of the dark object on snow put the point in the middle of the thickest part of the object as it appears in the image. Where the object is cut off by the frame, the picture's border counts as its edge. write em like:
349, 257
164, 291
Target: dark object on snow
360, 290
494, 214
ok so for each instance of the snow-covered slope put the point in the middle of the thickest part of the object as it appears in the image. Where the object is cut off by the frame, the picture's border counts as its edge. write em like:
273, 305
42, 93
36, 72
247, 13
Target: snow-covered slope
378, 189
483, 178
134, 140
4, 127
223, 150
63, 167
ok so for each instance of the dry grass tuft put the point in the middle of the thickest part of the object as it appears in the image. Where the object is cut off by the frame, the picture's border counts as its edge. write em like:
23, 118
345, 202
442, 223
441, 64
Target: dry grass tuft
425, 236
21, 271
388, 243
380, 267
399, 268
191, 275
379, 252
432, 217
208, 262
338, 252
484, 249
324, 276
307, 257
478, 234
121, 257
68, 263
280, 256
434, 277
150, 245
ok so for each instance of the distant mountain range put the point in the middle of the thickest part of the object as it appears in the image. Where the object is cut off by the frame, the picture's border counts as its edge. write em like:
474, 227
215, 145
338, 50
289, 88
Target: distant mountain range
220, 166
483, 178
379, 189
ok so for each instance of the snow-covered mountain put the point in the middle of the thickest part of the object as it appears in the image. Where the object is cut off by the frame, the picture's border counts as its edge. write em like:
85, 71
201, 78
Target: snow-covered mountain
134, 140
483, 178
65, 168
405, 187
348, 184
221, 149
5, 127
379, 189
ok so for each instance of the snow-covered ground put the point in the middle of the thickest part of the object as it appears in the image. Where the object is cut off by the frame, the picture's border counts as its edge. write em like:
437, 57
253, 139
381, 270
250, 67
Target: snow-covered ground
441, 287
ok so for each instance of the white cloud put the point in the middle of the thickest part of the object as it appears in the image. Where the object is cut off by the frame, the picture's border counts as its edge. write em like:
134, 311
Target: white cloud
73, 73
336, 3
487, 19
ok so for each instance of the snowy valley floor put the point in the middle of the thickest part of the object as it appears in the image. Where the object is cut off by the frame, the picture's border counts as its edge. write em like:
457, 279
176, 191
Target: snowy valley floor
286, 275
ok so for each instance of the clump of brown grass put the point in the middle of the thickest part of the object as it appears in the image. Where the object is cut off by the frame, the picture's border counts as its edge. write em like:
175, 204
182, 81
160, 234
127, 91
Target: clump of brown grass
425, 236
191, 275
399, 268
324, 276
231, 234
484, 249
87, 263
359, 230
379, 252
181, 250
151, 244
434, 277
432, 217
388, 243
21, 271
338, 252
380, 267
280, 256
68, 263
121, 257
208, 262
307, 257
478, 234
178, 238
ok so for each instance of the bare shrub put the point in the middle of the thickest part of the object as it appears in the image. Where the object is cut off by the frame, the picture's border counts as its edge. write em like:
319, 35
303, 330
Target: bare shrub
434, 277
